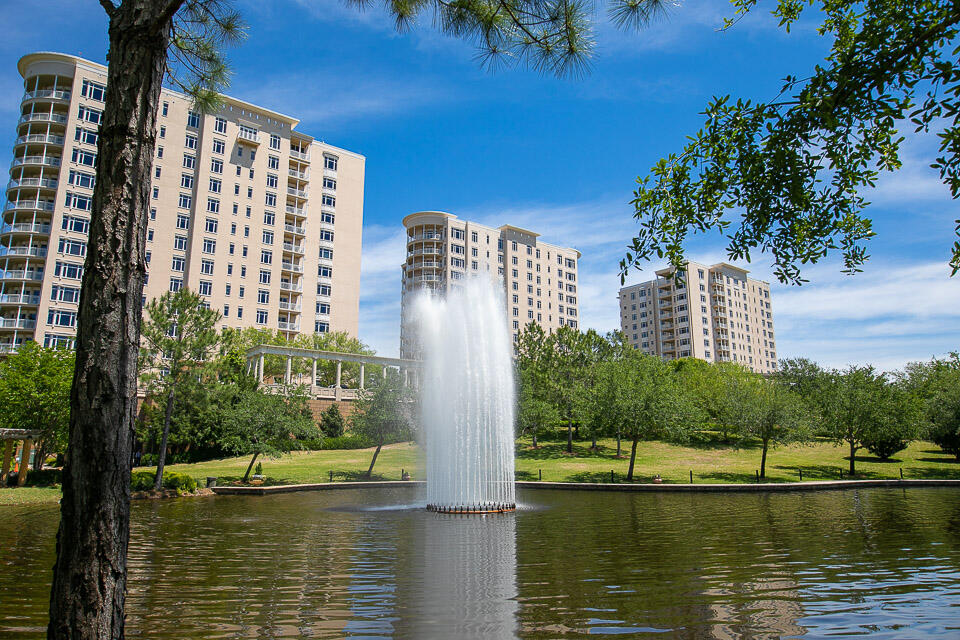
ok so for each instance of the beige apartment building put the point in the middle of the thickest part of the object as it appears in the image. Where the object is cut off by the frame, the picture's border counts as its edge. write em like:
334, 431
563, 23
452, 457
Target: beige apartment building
262, 220
716, 314
539, 279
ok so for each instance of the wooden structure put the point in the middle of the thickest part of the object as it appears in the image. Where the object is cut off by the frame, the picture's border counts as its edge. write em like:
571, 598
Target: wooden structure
9, 438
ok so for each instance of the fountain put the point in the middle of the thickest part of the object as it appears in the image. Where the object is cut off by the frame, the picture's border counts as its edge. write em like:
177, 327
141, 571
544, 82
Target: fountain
468, 399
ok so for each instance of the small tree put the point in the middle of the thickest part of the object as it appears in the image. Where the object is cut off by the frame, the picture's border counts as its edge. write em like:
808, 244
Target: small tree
332, 423
642, 395
267, 424
179, 336
35, 394
899, 417
383, 412
533, 412
943, 414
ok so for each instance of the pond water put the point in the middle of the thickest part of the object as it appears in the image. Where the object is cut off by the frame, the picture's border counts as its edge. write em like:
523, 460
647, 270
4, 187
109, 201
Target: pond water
877, 562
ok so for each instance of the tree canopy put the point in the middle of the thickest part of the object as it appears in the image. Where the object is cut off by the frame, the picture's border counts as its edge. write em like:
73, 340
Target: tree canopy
789, 176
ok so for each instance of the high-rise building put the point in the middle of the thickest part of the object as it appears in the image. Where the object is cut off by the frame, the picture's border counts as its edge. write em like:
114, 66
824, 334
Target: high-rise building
716, 313
260, 219
539, 279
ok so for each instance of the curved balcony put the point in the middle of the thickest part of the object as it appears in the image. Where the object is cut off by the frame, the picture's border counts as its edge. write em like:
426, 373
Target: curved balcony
36, 161
21, 275
17, 323
55, 118
26, 252
428, 277
46, 94
20, 299
39, 138
33, 183
25, 227
425, 251
29, 205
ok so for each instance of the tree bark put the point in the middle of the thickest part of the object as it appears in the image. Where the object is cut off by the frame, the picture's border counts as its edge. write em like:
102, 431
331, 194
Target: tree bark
534, 439
162, 454
633, 458
374, 461
853, 453
90, 573
763, 458
39, 455
250, 466
618, 443
569, 436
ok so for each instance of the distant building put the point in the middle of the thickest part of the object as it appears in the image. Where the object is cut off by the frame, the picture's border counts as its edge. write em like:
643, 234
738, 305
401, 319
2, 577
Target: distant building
718, 314
260, 219
539, 279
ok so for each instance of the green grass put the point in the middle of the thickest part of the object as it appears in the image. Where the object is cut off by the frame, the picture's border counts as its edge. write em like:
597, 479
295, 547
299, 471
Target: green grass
29, 495
710, 461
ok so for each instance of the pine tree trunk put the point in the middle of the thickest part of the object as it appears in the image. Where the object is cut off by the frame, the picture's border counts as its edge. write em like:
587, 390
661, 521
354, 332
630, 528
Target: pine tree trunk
633, 458
374, 461
250, 466
853, 452
162, 454
90, 573
763, 459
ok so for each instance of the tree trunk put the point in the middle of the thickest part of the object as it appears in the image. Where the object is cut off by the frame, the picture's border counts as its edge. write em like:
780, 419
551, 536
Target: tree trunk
374, 461
763, 458
90, 573
569, 436
853, 453
39, 455
618, 443
250, 466
593, 439
633, 458
162, 454
534, 439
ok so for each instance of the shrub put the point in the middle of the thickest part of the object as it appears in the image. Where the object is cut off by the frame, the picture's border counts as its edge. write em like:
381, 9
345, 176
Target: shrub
142, 480
43, 478
148, 460
346, 442
182, 482
332, 423
885, 446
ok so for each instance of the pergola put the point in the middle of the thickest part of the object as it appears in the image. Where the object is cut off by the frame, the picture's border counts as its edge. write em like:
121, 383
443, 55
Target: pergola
9, 437
408, 369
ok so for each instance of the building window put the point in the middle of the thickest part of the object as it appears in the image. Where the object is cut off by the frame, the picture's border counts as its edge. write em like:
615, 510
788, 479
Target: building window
264, 276
185, 201
263, 296
321, 327
262, 316
267, 237
266, 256
177, 263
81, 179
73, 223
215, 185
206, 287
206, 267
176, 284
220, 125
72, 247
330, 162
213, 205
87, 158
193, 119
180, 243
273, 162
209, 246
323, 290
274, 141
269, 218
68, 270
329, 183
324, 271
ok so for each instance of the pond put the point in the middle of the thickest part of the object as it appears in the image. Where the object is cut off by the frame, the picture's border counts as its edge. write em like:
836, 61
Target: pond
878, 562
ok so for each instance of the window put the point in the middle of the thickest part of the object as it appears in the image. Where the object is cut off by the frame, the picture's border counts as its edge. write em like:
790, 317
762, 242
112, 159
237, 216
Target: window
327, 236
85, 136
73, 223
189, 161
63, 293
60, 318
273, 162
211, 225
268, 218
231, 248
206, 287
267, 237
330, 162
263, 296
274, 141
323, 290
327, 218
215, 185
271, 181
271, 198
323, 308
166, 108
262, 316
185, 201
190, 142
160, 151
177, 263
88, 114
213, 205
180, 243
81, 179
156, 172
236, 189
239, 169
220, 125
79, 201
68, 270
219, 146
92, 90
72, 247
183, 222
193, 119
176, 284
266, 256
326, 254
248, 133
86, 158
324, 271
209, 246
156, 193
321, 327
149, 239
329, 183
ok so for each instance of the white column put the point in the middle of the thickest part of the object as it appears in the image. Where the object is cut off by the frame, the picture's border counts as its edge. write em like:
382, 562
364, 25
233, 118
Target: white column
361, 375
313, 375
286, 377
339, 368
260, 369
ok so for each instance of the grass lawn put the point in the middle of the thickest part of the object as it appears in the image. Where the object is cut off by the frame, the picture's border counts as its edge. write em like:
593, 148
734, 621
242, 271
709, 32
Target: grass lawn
28, 495
709, 460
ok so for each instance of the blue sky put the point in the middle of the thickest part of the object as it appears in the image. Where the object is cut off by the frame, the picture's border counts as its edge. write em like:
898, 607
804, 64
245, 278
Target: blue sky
557, 156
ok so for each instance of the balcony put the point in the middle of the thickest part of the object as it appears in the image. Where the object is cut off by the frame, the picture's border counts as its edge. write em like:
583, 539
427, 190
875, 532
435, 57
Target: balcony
42, 205
299, 155
296, 193
42, 161
299, 175
288, 326
25, 227
248, 137
48, 94
290, 286
433, 251
289, 266
38, 183
9, 348
17, 323
22, 274
39, 138
427, 264
297, 249
290, 306
297, 211
16, 298
43, 117
428, 277
429, 235
34, 252
295, 230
